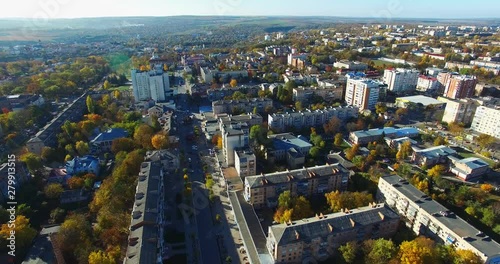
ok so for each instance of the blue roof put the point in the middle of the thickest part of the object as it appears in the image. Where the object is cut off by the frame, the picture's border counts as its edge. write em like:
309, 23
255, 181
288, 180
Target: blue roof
82, 162
285, 142
399, 132
406, 131
110, 135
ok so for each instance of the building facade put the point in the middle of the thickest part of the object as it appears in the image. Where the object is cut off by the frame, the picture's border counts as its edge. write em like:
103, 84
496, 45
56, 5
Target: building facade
351, 65
460, 86
235, 133
401, 80
263, 190
427, 217
469, 168
308, 118
151, 85
458, 110
362, 93
327, 93
427, 84
363, 137
431, 156
487, 121
244, 105
245, 162
318, 238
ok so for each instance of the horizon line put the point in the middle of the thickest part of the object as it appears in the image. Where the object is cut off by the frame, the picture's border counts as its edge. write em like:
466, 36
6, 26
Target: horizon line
257, 16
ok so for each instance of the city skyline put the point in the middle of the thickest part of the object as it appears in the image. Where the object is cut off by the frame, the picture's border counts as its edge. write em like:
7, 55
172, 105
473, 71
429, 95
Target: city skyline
363, 9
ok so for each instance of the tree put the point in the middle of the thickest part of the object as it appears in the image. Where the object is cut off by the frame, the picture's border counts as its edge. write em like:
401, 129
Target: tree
142, 136
486, 187
215, 139
382, 251
53, 190
57, 215
404, 151
351, 152
314, 152
456, 128
122, 144
233, 83
439, 141
463, 256
359, 161
159, 141
100, 257
48, 154
338, 140
24, 233
75, 182
82, 148
380, 108
33, 162
301, 208
349, 251
285, 200
485, 141
333, 125
341, 200
90, 104
283, 215
298, 106
74, 236
417, 251
106, 84
436, 171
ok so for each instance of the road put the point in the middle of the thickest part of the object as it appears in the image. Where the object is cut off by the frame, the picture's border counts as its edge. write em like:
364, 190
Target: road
206, 229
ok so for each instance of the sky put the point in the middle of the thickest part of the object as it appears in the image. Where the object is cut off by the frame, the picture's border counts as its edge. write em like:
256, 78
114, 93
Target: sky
41, 9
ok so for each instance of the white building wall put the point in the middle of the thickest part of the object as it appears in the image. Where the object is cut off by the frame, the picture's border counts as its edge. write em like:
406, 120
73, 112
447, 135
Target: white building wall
487, 121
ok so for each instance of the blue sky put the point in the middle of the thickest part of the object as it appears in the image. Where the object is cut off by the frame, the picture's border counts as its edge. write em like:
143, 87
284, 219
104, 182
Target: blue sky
358, 8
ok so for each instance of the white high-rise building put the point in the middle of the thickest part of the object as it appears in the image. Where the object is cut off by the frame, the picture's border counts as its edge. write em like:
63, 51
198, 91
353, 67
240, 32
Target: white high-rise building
487, 121
153, 84
401, 80
362, 93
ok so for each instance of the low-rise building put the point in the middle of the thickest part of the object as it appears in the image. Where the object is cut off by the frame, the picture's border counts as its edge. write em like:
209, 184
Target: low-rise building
290, 148
85, 164
426, 101
431, 156
308, 118
207, 75
146, 239
318, 238
245, 162
328, 93
103, 141
363, 137
243, 106
350, 65
469, 168
397, 142
264, 190
429, 218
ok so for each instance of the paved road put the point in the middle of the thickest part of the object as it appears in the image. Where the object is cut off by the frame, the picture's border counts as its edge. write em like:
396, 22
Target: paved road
206, 230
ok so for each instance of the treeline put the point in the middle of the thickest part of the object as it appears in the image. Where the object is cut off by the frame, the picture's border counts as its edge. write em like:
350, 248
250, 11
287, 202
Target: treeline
56, 80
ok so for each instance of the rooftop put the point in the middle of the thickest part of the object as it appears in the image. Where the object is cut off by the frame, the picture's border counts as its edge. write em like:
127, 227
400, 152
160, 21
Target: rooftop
425, 100
109, 135
294, 175
473, 162
399, 132
435, 152
286, 141
314, 227
454, 223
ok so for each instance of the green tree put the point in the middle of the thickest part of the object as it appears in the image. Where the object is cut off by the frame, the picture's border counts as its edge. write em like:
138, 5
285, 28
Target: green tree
485, 141
314, 152
90, 105
301, 208
285, 200
33, 162
439, 141
349, 252
382, 251
82, 148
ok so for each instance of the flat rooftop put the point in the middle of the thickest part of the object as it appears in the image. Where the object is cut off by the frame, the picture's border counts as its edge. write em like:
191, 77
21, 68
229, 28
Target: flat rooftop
425, 100
457, 225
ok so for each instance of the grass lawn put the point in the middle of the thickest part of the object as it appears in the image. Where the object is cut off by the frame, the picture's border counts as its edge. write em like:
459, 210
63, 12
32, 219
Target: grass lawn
122, 88
466, 154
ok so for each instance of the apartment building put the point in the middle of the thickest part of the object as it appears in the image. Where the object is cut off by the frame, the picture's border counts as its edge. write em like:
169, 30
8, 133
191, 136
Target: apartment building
328, 93
146, 239
235, 133
245, 162
460, 86
487, 121
469, 168
263, 190
431, 156
317, 238
308, 118
401, 80
46, 137
244, 105
427, 84
220, 94
363, 137
427, 217
290, 148
151, 85
208, 75
363, 93
458, 110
